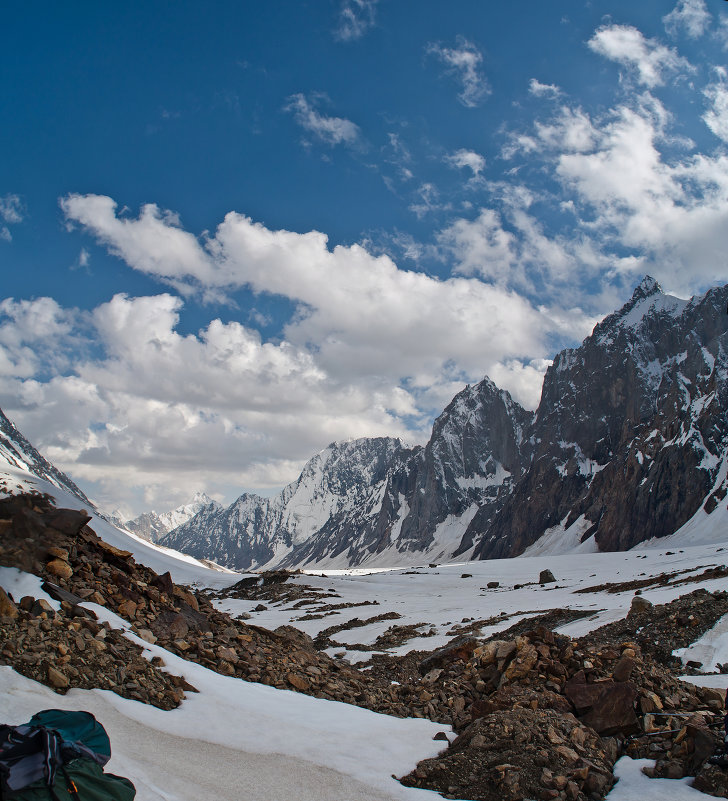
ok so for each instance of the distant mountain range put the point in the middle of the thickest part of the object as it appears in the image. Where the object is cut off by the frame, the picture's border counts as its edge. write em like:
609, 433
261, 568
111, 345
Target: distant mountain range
153, 526
629, 443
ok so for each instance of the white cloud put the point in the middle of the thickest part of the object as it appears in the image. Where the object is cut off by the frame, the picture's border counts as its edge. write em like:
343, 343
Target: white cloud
466, 158
482, 246
372, 349
356, 18
627, 46
571, 129
11, 213
428, 201
463, 61
716, 117
330, 130
692, 15
539, 89
35, 337
673, 214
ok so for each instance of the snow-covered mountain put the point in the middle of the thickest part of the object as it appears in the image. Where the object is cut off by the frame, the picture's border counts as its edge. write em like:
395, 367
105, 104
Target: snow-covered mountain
629, 442
631, 434
16, 452
153, 525
375, 501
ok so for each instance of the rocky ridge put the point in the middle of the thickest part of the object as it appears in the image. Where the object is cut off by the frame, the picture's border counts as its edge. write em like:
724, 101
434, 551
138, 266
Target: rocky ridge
537, 714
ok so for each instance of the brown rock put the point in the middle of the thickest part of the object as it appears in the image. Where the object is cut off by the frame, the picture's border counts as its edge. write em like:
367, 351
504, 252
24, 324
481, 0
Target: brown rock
57, 553
639, 604
613, 710
128, 609
299, 682
164, 583
623, 669
460, 648
57, 567
567, 753
524, 661
67, 521
56, 678
228, 654
7, 607
187, 597
170, 625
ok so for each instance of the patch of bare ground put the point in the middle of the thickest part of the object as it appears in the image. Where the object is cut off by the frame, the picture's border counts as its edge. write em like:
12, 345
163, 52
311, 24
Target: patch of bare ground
661, 580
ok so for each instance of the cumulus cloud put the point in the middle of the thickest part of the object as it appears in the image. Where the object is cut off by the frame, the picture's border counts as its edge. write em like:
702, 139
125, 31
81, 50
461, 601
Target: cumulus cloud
329, 130
690, 15
627, 46
11, 213
371, 349
466, 158
463, 62
36, 337
356, 18
671, 213
539, 89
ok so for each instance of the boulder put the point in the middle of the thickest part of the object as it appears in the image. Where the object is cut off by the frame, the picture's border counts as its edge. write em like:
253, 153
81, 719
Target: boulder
612, 712
57, 567
546, 577
459, 648
7, 607
639, 604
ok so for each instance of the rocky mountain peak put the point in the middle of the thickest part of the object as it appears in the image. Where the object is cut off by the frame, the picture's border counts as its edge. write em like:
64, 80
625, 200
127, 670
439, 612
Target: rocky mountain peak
647, 286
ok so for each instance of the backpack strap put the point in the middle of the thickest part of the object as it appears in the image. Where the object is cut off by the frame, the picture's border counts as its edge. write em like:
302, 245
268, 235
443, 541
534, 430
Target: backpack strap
70, 784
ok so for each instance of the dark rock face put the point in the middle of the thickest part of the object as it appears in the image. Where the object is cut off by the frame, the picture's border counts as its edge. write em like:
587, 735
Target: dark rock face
631, 429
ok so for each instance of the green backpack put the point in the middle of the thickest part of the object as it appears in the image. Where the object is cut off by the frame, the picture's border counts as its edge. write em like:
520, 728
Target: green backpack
57, 754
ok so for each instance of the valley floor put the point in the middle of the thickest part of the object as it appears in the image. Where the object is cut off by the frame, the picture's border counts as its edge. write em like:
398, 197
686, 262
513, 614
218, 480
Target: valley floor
241, 740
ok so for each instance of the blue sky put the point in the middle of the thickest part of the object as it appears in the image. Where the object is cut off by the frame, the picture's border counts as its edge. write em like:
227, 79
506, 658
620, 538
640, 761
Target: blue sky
231, 233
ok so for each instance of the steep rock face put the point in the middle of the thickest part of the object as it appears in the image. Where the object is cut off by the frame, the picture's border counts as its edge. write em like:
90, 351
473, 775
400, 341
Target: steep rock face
16, 451
477, 452
630, 432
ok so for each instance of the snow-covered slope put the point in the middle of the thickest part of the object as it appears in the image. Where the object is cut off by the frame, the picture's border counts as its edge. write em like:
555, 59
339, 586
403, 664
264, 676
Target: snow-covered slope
184, 569
16, 452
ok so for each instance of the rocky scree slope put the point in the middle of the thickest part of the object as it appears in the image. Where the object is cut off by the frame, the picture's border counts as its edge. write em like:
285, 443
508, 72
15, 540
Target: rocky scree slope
538, 714
629, 441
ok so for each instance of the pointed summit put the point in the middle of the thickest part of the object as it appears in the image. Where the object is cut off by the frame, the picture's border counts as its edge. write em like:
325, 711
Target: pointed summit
646, 287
